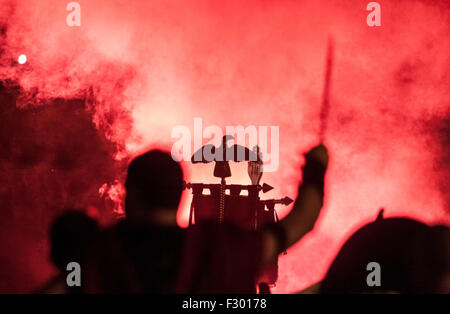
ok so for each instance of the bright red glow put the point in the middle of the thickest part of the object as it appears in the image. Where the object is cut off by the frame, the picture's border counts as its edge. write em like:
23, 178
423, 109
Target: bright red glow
149, 66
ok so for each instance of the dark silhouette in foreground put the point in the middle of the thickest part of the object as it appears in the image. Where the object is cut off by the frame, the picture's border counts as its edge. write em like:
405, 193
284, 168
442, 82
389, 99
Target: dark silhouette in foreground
70, 236
222, 258
141, 253
413, 258
148, 253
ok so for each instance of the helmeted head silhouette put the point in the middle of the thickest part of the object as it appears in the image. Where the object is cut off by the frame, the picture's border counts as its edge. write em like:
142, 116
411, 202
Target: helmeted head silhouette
410, 256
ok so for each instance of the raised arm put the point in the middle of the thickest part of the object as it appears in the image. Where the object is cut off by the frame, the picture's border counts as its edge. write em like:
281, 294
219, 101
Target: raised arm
277, 237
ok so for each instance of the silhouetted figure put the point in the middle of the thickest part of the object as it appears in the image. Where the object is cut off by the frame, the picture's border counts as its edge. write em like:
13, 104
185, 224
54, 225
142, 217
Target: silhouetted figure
413, 258
221, 258
70, 236
148, 253
141, 254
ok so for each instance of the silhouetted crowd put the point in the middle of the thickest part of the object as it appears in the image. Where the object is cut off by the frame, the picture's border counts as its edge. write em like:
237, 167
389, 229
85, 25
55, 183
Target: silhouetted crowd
147, 252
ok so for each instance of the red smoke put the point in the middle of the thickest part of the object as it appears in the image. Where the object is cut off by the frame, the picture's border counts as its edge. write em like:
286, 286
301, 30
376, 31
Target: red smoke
144, 67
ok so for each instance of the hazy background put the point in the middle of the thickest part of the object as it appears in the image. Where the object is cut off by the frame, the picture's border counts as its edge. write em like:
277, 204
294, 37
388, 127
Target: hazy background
91, 97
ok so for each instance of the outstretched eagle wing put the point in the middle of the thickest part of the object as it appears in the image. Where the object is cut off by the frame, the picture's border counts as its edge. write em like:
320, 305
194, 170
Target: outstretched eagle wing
199, 155
240, 153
